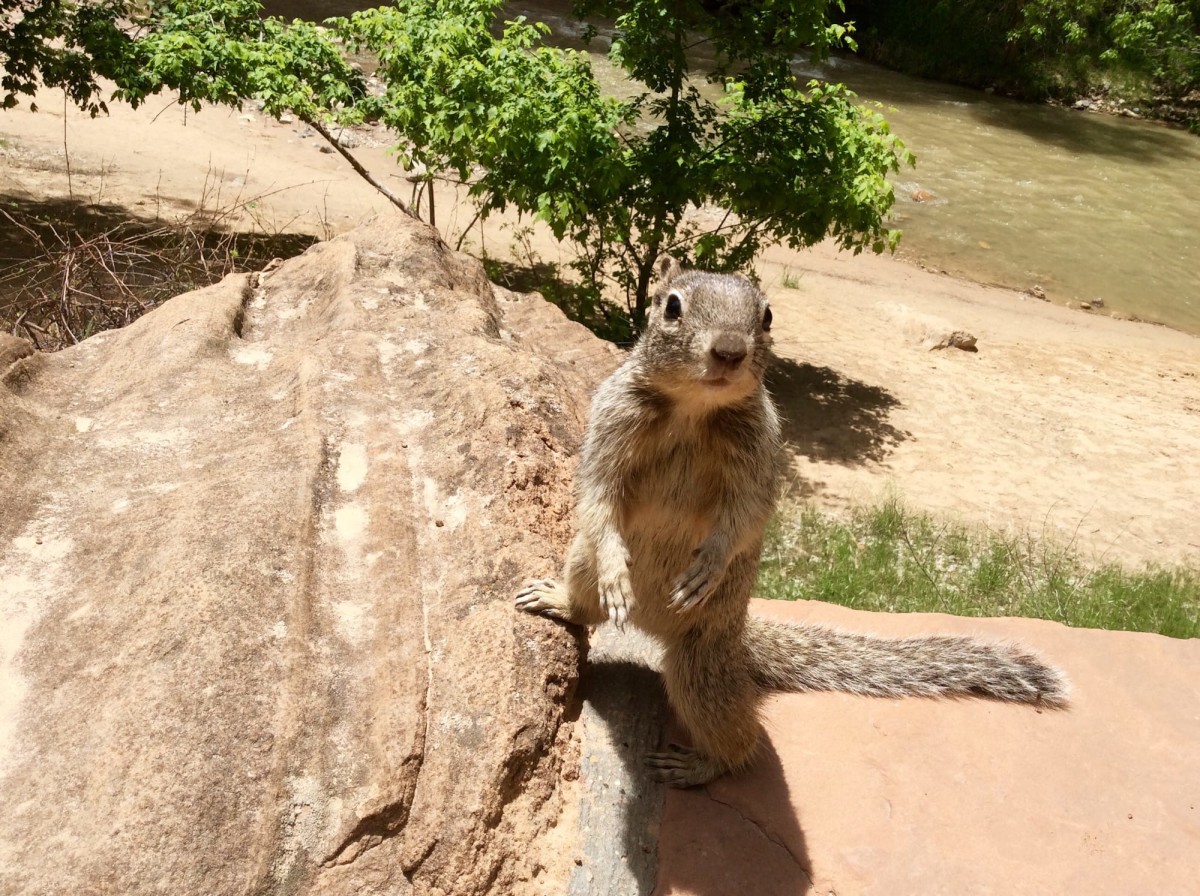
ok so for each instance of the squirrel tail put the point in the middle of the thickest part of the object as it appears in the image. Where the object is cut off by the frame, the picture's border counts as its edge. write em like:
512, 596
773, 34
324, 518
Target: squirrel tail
788, 657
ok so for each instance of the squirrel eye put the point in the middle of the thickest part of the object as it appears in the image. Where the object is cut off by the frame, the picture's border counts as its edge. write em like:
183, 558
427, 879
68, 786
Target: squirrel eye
766, 325
674, 308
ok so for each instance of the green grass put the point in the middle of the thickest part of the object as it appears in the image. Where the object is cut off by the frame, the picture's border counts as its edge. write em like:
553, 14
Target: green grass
889, 558
790, 280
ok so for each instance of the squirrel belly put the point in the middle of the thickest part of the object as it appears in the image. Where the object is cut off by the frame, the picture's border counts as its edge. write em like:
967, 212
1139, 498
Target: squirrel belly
680, 472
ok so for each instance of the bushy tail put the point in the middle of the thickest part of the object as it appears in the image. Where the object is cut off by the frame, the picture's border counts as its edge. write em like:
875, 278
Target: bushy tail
788, 657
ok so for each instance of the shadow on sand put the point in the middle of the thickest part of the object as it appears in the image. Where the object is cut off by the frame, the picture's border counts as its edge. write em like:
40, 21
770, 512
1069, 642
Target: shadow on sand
69, 269
828, 417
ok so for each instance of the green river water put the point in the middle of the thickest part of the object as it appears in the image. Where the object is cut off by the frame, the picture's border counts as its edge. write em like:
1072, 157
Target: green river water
1084, 205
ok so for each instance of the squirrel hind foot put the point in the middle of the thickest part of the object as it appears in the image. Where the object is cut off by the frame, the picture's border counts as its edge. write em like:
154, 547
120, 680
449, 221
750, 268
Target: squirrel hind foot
683, 767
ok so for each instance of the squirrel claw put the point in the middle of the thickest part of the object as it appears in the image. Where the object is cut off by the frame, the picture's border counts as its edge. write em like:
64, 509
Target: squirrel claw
694, 586
684, 599
616, 599
546, 597
681, 767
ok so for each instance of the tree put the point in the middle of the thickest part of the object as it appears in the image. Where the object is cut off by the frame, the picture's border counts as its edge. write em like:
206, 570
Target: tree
526, 126
59, 44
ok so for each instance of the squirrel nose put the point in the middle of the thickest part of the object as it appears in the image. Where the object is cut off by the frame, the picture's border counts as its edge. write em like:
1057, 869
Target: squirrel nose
729, 350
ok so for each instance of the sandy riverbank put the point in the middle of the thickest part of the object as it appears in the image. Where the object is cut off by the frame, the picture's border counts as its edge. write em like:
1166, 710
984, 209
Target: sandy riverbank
1081, 426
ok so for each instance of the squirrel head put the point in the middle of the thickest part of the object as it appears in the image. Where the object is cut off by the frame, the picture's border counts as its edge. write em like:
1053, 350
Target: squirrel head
706, 336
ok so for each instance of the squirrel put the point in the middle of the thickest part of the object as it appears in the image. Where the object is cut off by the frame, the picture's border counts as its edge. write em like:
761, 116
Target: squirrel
680, 472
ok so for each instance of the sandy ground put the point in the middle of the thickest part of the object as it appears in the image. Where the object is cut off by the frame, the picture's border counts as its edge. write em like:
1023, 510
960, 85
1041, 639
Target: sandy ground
1063, 423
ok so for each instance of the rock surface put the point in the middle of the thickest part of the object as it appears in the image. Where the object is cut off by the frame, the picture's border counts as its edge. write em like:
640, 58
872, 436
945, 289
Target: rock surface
256, 559
858, 796
959, 339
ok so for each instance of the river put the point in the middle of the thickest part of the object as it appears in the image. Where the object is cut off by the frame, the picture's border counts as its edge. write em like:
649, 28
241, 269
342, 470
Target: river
1083, 206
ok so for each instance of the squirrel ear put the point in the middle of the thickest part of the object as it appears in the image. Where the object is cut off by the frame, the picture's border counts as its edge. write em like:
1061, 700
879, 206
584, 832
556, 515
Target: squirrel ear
668, 269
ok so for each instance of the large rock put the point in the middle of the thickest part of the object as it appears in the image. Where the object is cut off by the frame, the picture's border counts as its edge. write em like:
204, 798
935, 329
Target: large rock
852, 795
257, 552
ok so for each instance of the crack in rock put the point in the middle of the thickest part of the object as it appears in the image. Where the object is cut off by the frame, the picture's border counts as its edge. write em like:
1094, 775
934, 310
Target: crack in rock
766, 835
389, 820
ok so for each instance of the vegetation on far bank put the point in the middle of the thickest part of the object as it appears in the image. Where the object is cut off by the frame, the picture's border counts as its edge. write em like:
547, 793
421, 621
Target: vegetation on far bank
890, 558
1137, 55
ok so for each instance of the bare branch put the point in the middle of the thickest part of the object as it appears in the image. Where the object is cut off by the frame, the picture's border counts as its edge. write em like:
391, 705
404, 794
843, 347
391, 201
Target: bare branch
357, 166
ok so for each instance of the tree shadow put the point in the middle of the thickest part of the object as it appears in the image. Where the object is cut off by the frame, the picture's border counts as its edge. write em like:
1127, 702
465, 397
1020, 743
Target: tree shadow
831, 418
576, 300
1108, 135
19, 215
1152, 143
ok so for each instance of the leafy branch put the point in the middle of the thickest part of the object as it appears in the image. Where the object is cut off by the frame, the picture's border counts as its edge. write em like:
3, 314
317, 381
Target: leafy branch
523, 125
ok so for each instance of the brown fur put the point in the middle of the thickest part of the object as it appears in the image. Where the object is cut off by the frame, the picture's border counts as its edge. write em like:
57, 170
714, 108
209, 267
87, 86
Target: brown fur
680, 472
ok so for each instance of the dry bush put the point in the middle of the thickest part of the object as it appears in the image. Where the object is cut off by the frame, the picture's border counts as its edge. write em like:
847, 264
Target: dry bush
69, 275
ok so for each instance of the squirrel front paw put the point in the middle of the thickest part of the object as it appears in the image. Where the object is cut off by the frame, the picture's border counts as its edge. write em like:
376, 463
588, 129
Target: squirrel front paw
616, 596
547, 597
697, 583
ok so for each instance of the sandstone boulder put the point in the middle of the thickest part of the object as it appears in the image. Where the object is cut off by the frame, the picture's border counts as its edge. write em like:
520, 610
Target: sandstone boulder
257, 553
852, 795
959, 339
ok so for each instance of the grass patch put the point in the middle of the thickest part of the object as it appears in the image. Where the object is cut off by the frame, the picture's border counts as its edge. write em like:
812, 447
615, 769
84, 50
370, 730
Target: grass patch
888, 558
